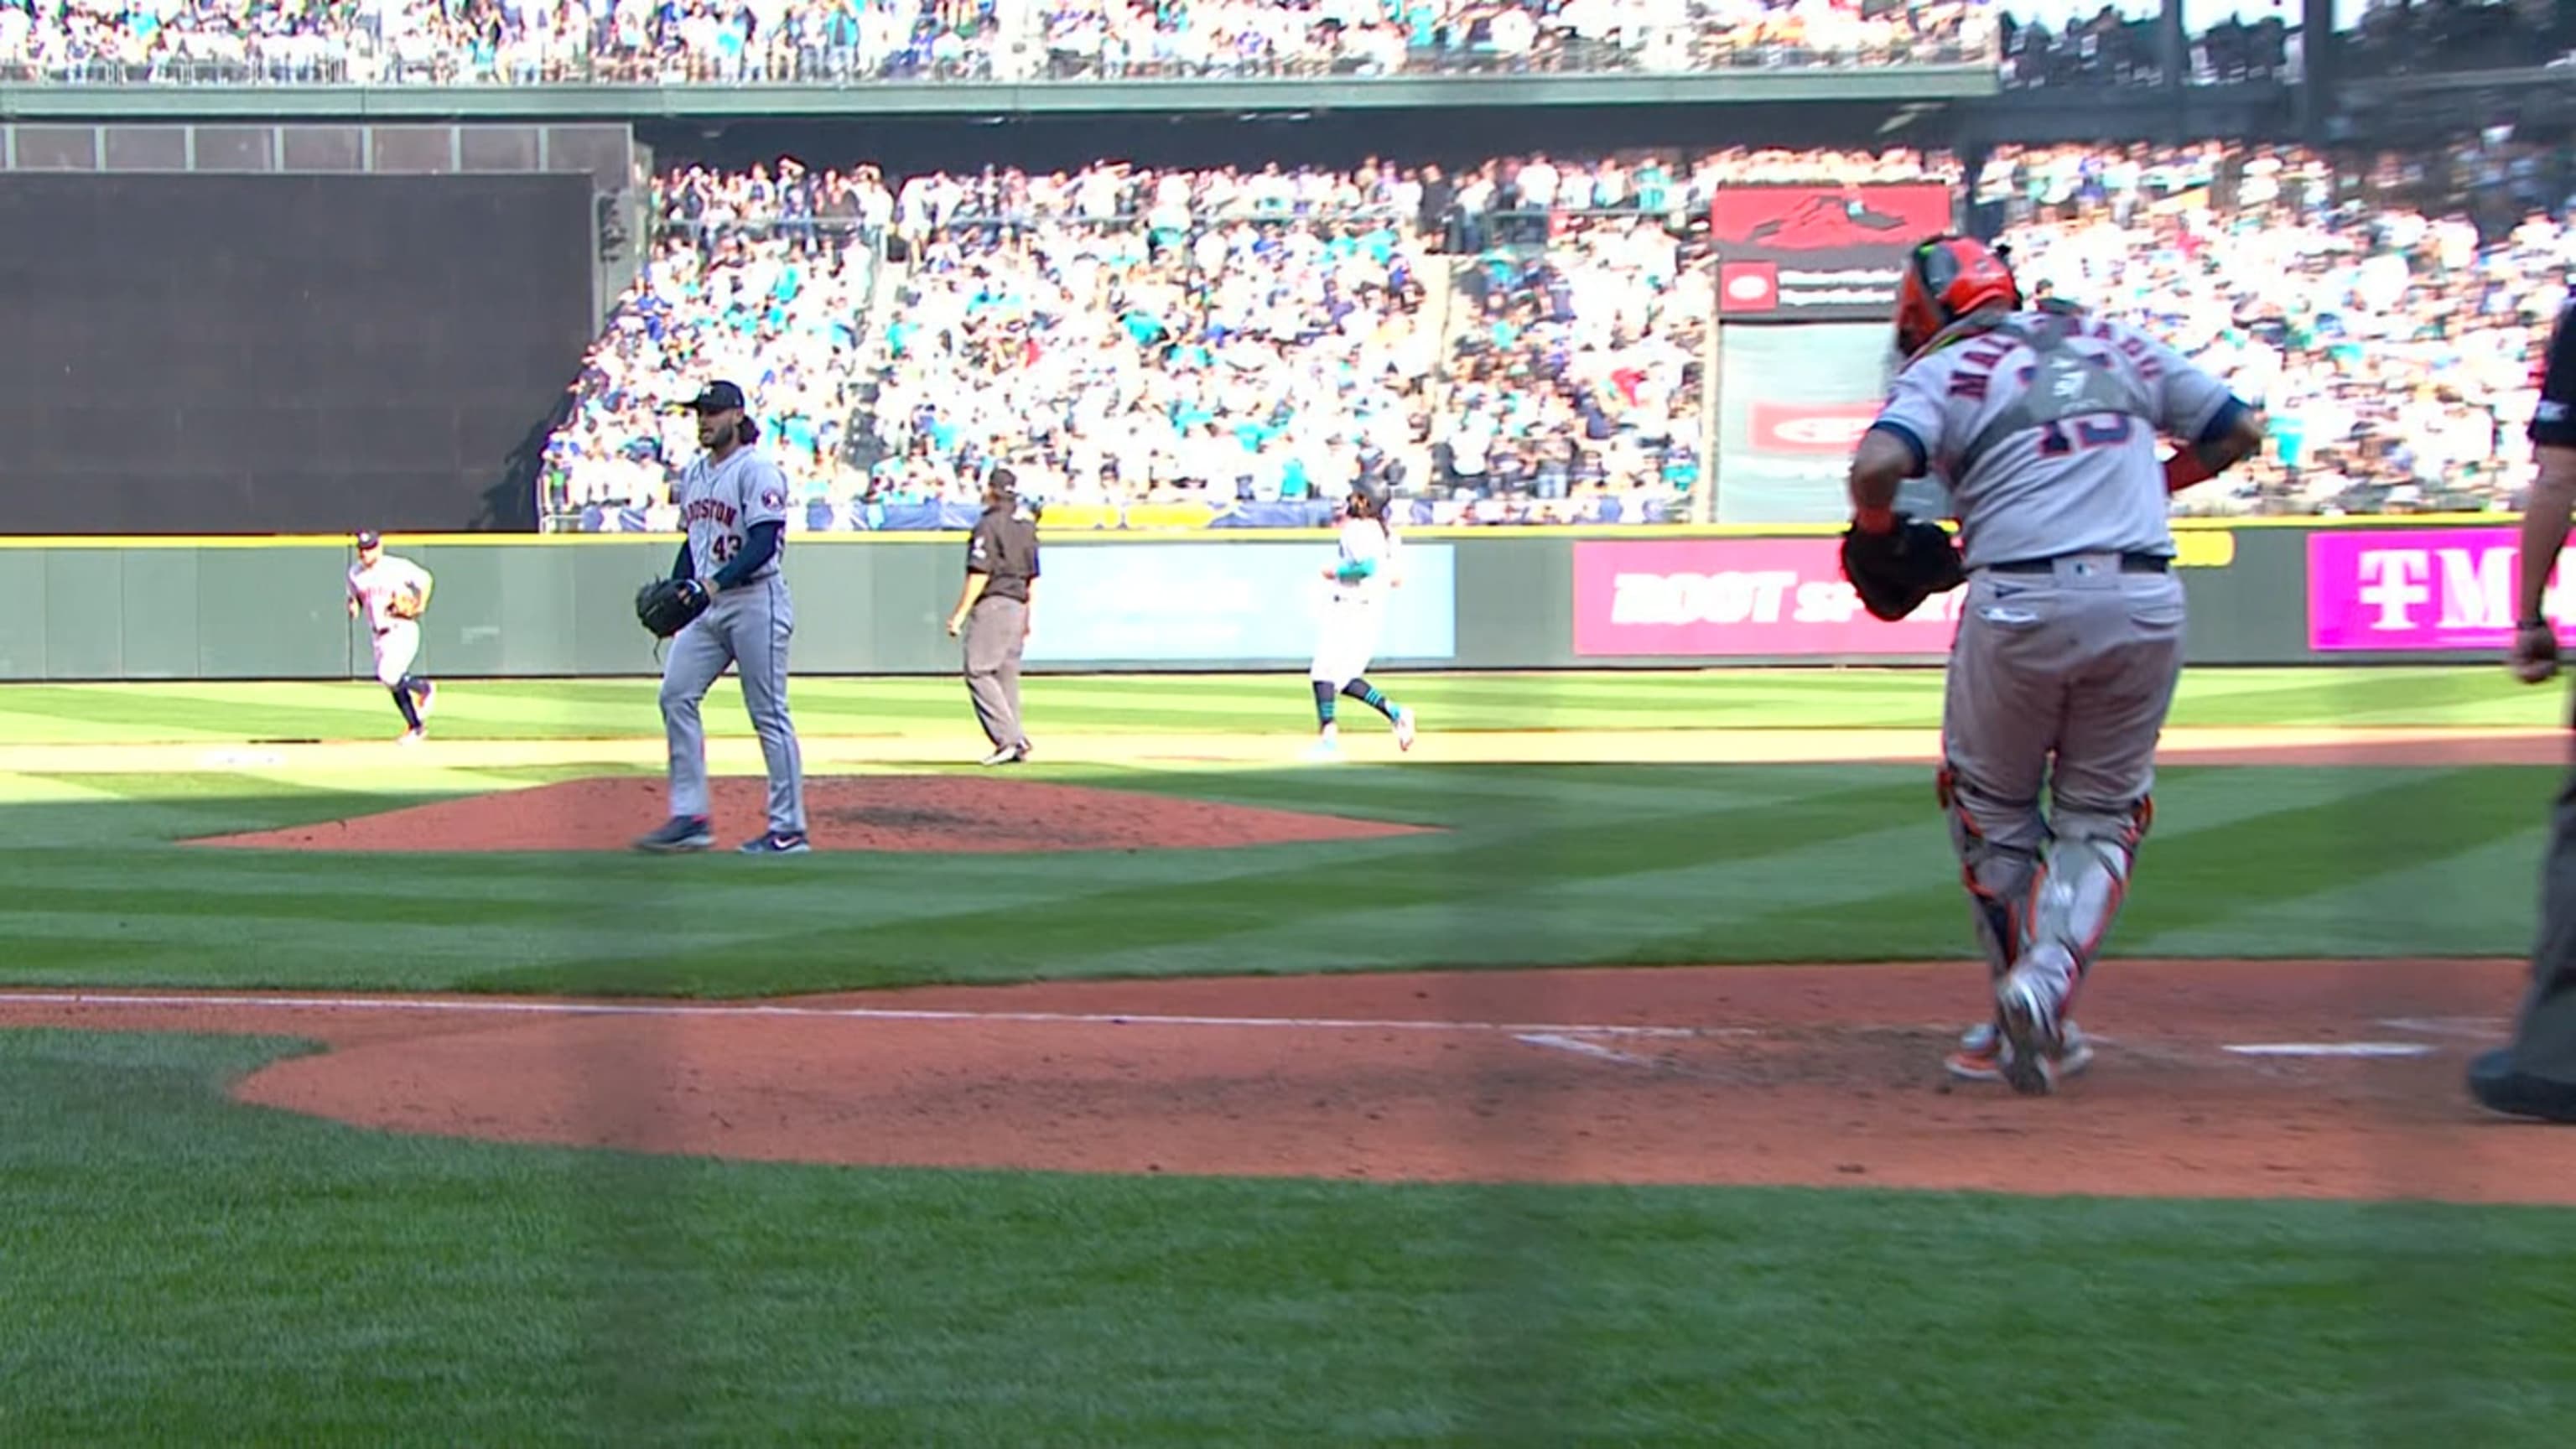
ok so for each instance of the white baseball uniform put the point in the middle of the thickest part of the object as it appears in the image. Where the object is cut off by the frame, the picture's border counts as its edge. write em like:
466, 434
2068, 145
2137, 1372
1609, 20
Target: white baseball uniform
375, 587
1355, 609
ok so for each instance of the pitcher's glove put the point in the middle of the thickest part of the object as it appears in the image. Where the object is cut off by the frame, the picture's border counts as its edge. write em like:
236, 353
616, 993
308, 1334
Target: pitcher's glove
665, 606
1895, 571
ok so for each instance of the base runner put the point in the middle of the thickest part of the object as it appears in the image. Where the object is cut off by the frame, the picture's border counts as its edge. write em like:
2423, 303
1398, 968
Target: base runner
2070, 639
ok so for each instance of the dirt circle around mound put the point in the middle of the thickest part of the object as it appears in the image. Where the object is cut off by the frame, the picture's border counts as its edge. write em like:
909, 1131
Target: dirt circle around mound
898, 813
2214, 1079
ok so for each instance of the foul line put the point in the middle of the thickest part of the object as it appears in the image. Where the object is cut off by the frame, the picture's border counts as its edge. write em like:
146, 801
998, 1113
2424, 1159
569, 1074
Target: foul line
835, 1013
1555, 1041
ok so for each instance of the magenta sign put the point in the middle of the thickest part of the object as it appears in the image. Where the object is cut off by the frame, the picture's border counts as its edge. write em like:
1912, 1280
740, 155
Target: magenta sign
1681, 598
2429, 588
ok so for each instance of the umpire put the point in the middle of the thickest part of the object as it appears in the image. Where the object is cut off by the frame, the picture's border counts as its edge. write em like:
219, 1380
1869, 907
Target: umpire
993, 612
2536, 1076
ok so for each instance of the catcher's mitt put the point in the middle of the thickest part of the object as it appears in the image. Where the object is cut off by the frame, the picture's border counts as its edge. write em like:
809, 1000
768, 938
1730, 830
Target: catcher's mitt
665, 606
1894, 572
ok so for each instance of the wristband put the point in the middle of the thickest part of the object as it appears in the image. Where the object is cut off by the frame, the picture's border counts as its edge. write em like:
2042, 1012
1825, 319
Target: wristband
1874, 520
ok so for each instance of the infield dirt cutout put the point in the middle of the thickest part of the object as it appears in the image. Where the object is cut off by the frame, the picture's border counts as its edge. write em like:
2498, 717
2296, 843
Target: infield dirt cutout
1821, 1076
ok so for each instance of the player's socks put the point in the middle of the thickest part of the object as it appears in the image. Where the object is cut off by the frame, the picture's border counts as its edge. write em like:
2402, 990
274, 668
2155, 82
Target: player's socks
1323, 704
1369, 694
402, 701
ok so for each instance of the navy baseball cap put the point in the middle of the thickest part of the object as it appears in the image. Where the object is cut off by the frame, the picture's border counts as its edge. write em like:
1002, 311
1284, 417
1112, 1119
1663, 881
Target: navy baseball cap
367, 538
716, 397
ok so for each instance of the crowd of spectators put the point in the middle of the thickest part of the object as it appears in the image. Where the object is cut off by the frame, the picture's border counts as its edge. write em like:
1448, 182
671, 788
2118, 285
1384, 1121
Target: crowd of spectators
2394, 344
468, 42
1524, 339
2116, 46
465, 42
762, 277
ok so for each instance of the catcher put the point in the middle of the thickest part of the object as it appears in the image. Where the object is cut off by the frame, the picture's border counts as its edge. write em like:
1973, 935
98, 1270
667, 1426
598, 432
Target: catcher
2044, 422
393, 593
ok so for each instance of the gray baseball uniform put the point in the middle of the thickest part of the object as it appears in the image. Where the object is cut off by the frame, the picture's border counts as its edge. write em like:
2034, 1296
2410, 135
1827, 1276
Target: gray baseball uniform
748, 626
2071, 633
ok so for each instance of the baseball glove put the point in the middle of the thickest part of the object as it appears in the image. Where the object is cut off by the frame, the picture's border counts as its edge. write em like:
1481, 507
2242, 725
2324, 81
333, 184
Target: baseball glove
1894, 572
405, 605
665, 606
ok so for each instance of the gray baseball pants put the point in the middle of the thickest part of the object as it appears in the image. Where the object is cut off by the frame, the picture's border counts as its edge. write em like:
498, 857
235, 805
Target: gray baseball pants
996, 630
747, 627
2059, 681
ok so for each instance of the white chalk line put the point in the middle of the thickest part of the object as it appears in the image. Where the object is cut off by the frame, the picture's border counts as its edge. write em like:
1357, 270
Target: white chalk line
829, 1013
1557, 1041
1557, 1036
2468, 1028
2332, 1049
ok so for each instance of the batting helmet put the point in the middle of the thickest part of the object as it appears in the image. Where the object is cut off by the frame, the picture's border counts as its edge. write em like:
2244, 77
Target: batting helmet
1946, 278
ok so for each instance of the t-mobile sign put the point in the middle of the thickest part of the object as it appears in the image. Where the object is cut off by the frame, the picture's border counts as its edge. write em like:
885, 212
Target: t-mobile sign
2446, 588
1685, 598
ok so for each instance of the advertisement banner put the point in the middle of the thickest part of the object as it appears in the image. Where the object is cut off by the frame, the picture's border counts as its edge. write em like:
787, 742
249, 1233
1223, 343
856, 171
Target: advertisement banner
1809, 253
1254, 603
1752, 596
2423, 588
1792, 402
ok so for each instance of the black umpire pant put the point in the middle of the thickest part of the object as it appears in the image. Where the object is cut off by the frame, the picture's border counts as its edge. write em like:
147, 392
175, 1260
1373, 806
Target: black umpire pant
2544, 1040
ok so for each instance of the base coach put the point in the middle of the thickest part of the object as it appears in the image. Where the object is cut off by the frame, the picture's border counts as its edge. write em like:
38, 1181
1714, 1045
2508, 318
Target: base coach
993, 613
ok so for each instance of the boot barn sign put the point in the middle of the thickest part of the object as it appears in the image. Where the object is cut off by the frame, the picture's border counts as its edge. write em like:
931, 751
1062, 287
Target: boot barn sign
1819, 253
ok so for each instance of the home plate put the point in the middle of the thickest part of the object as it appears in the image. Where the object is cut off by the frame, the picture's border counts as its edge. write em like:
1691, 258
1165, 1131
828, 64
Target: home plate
2332, 1049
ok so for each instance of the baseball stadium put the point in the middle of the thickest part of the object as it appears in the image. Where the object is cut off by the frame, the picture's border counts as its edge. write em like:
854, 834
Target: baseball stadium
980, 724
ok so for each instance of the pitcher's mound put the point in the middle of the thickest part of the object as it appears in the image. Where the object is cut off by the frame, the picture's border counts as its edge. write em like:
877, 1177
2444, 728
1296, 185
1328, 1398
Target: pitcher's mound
872, 812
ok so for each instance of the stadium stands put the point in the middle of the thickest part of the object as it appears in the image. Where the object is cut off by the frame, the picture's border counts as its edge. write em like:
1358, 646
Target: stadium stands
1519, 342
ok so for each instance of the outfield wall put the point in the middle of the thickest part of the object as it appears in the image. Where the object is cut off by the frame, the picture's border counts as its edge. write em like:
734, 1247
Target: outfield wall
2398, 590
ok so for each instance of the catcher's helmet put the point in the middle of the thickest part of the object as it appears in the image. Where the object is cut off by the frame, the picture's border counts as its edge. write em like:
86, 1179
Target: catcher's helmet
1946, 278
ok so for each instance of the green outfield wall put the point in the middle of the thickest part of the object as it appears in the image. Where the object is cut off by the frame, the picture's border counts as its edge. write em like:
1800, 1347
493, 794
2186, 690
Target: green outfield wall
2382, 591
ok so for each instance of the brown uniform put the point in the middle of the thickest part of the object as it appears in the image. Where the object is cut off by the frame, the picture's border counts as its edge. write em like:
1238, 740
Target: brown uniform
1003, 548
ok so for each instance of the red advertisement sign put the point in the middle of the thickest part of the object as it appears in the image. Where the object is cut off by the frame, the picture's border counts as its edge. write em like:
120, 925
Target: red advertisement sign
1835, 251
1721, 597
1831, 429
1748, 287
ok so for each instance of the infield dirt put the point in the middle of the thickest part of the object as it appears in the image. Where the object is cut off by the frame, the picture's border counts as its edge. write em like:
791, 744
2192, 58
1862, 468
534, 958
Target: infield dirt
1819, 1076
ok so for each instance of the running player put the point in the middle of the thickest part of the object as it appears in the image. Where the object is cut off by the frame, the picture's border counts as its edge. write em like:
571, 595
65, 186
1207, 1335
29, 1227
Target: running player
393, 593
1354, 617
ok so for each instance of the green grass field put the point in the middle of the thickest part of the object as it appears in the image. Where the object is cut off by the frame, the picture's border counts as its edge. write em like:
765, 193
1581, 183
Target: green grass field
179, 1268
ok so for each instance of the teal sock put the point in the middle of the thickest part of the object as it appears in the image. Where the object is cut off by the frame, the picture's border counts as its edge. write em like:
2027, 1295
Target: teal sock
1370, 695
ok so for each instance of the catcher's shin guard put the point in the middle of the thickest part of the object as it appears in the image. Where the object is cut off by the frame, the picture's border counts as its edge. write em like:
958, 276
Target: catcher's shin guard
2083, 880
1997, 877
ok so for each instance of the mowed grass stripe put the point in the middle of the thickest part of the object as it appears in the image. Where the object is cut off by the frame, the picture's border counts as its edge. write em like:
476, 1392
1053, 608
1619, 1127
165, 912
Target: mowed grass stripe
1773, 699
1799, 900
2258, 861
1109, 932
2480, 900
